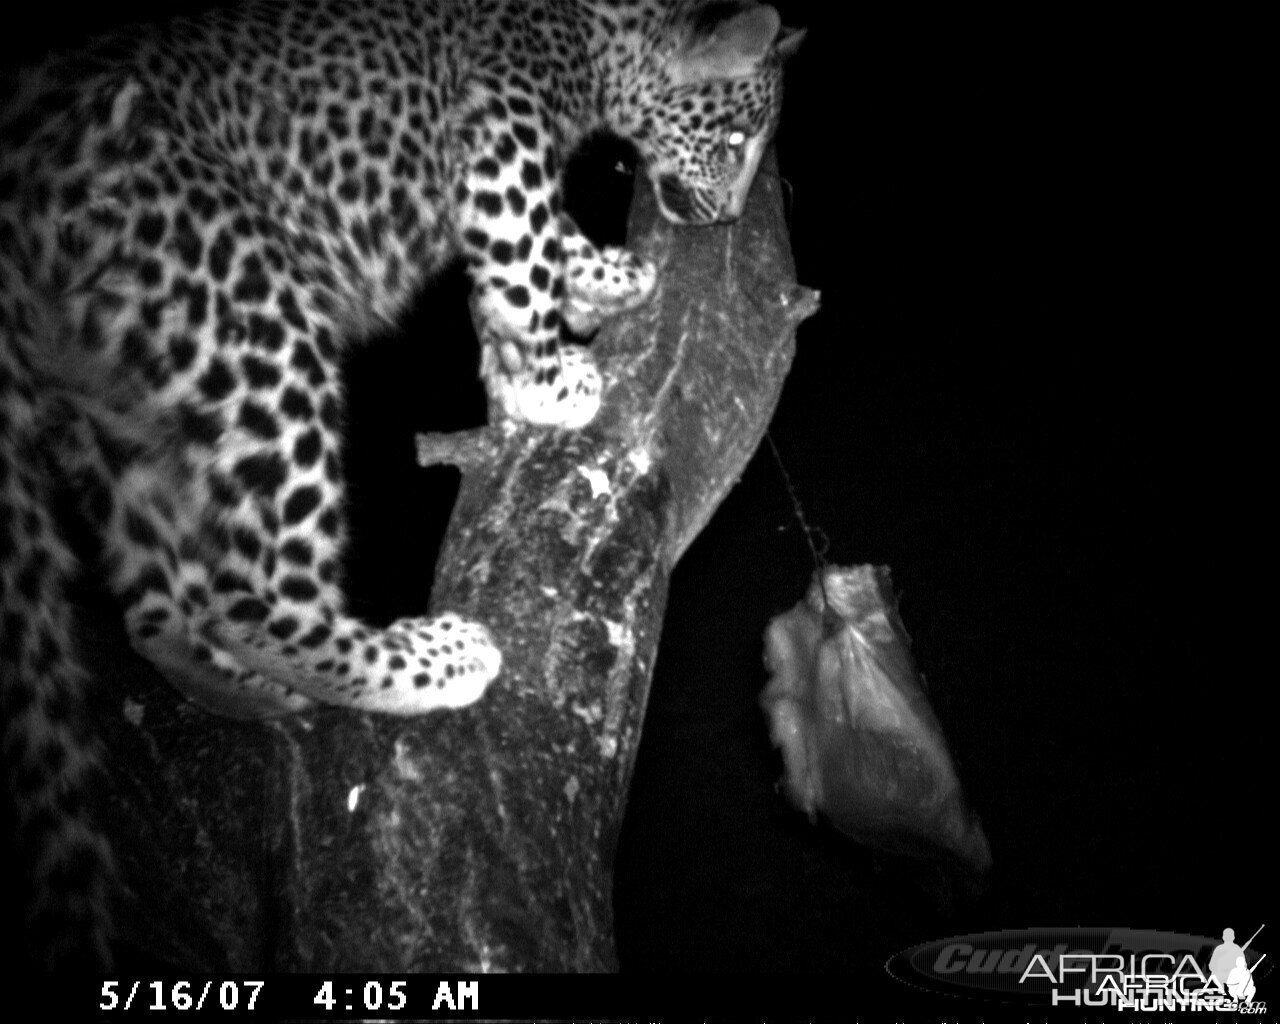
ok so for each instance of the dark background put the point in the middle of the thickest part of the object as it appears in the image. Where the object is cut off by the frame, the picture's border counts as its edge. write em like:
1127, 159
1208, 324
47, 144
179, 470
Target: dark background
1024, 393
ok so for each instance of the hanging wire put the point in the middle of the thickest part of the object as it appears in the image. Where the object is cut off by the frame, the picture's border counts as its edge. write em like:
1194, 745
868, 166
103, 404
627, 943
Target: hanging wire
816, 540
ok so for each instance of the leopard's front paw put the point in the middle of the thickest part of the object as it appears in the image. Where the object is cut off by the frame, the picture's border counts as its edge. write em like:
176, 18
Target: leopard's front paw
600, 283
562, 390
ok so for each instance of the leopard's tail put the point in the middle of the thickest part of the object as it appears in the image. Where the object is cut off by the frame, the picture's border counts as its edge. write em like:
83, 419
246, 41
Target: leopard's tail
63, 867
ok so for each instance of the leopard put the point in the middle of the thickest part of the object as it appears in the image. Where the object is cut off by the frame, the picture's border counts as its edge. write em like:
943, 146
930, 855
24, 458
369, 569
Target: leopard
198, 218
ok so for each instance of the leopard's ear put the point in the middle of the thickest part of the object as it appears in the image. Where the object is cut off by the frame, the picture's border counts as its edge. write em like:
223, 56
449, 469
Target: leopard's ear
789, 42
728, 40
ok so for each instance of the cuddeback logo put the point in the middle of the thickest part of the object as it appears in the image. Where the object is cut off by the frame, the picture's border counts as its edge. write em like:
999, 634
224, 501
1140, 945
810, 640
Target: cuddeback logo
1120, 968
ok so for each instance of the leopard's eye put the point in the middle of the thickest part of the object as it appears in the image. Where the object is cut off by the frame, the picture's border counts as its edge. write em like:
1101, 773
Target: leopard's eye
736, 139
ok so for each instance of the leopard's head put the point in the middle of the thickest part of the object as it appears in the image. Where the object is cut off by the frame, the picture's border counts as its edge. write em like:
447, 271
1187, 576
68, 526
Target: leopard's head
714, 99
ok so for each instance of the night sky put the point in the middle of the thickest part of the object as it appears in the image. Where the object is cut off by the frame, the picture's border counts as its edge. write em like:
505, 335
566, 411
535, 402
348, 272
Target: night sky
1021, 395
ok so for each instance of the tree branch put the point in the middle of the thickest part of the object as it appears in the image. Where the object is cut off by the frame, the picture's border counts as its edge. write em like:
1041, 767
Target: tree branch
483, 839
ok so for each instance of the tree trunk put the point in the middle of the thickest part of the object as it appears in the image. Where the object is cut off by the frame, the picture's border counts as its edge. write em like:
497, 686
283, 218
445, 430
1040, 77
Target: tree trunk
480, 839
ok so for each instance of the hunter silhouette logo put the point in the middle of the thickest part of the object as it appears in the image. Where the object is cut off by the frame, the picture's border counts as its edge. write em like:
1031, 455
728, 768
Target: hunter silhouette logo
1229, 969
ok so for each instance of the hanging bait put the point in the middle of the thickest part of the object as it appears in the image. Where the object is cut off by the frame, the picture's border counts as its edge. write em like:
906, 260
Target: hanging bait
848, 710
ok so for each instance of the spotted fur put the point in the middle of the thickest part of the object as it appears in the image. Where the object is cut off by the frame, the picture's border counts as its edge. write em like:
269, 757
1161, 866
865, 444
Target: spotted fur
194, 220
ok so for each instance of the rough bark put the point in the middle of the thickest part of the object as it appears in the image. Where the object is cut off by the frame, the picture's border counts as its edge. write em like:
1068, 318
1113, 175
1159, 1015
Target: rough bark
481, 839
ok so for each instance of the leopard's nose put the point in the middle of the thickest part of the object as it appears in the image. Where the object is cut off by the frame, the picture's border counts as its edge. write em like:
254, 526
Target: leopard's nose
730, 212
733, 205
